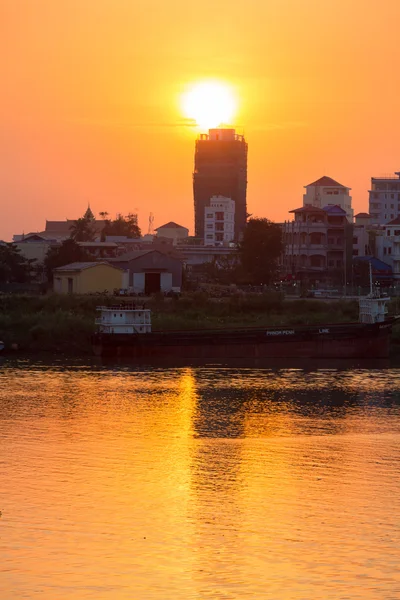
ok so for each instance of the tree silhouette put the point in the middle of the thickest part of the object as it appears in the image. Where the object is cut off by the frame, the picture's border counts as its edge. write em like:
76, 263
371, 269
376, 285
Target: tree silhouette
68, 252
14, 268
260, 250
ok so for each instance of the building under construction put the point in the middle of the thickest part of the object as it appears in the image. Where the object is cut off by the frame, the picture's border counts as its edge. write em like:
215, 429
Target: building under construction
220, 168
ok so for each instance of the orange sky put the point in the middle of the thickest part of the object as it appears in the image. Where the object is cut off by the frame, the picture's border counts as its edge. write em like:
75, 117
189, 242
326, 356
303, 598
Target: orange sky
89, 103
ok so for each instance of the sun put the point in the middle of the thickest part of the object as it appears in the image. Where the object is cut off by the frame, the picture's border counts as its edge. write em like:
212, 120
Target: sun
210, 104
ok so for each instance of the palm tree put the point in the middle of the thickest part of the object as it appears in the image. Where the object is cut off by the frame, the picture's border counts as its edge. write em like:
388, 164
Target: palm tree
82, 230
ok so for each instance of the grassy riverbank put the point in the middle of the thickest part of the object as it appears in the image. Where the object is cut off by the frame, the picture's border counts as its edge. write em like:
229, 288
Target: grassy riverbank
65, 323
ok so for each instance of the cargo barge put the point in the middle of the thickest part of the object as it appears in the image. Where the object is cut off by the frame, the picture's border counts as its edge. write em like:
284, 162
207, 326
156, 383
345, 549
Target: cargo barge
126, 331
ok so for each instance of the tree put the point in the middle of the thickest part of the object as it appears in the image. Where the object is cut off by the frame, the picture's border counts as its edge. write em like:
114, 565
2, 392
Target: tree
124, 226
83, 229
259, 251
14, 268
68, 252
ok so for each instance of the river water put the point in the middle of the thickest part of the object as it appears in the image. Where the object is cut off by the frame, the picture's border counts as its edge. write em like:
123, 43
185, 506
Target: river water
199, 482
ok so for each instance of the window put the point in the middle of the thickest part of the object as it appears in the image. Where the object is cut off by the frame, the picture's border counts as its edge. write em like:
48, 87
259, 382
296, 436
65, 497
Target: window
209, 215
336, 192
209, 225
396, 232
389, 250
209, 236
219, 226
392, 205
355, 240
375, 196
219, 216
384, 251
219, 237
392, 196
331, 263
355, 252
388, 232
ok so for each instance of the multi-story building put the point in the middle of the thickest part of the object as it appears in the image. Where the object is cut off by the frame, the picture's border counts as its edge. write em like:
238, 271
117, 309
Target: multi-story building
220, 168
318, 246
219, 219
384, 199
361, 235
327, 192
387, 244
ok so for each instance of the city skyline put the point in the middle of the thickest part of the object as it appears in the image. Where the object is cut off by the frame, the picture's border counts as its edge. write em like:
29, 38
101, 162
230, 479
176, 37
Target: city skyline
92, 113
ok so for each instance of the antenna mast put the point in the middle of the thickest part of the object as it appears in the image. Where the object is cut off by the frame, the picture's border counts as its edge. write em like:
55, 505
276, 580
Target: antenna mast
150, 230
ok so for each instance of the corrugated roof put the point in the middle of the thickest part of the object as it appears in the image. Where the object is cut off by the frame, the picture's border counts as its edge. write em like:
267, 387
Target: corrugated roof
328, 181
81, 266
170, 225
335, 209
128, 256
98, 244
363, 215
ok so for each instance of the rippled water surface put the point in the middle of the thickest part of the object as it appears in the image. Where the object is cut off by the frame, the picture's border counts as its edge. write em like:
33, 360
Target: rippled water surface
199, 482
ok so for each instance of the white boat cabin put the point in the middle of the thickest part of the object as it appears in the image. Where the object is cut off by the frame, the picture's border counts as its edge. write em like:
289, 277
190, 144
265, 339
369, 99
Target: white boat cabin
373, 309
123, 319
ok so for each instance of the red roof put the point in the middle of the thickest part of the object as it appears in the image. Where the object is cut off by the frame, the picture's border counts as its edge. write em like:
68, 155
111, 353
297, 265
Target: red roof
328, 181
395, 221
307, 208
363, 215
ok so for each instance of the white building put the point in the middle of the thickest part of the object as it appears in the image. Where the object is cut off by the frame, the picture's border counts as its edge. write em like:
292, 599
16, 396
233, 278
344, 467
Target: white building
326, 192
384, 199
173, 231
219, 221
388, 245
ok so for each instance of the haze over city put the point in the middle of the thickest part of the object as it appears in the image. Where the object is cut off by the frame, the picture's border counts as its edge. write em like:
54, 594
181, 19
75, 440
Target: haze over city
93, 103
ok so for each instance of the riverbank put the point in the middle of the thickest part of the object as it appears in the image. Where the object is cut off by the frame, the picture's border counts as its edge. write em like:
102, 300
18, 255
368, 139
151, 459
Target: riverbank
65, 323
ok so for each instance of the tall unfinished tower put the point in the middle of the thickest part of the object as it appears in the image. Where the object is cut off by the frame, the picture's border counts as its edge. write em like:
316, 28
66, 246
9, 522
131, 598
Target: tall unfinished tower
220, 169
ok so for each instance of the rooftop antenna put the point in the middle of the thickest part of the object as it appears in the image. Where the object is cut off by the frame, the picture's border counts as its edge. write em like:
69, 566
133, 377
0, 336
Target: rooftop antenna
150, 230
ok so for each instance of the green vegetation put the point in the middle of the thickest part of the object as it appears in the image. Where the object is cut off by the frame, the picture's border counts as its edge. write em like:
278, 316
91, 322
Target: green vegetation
14, 268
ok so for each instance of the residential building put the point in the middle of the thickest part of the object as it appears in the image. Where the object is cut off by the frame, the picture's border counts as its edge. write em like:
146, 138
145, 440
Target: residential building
387, 243
35, 247
326, 192
220, 168
318, 246
88, 278
361, 235
384, 199
151, 271
101, 249
173, 231
219, 219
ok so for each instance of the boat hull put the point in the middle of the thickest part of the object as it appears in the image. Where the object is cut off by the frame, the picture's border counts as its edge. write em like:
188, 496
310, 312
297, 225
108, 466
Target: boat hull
352, 340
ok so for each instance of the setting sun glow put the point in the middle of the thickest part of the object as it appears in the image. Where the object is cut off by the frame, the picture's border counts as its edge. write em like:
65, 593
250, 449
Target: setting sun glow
210, 104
